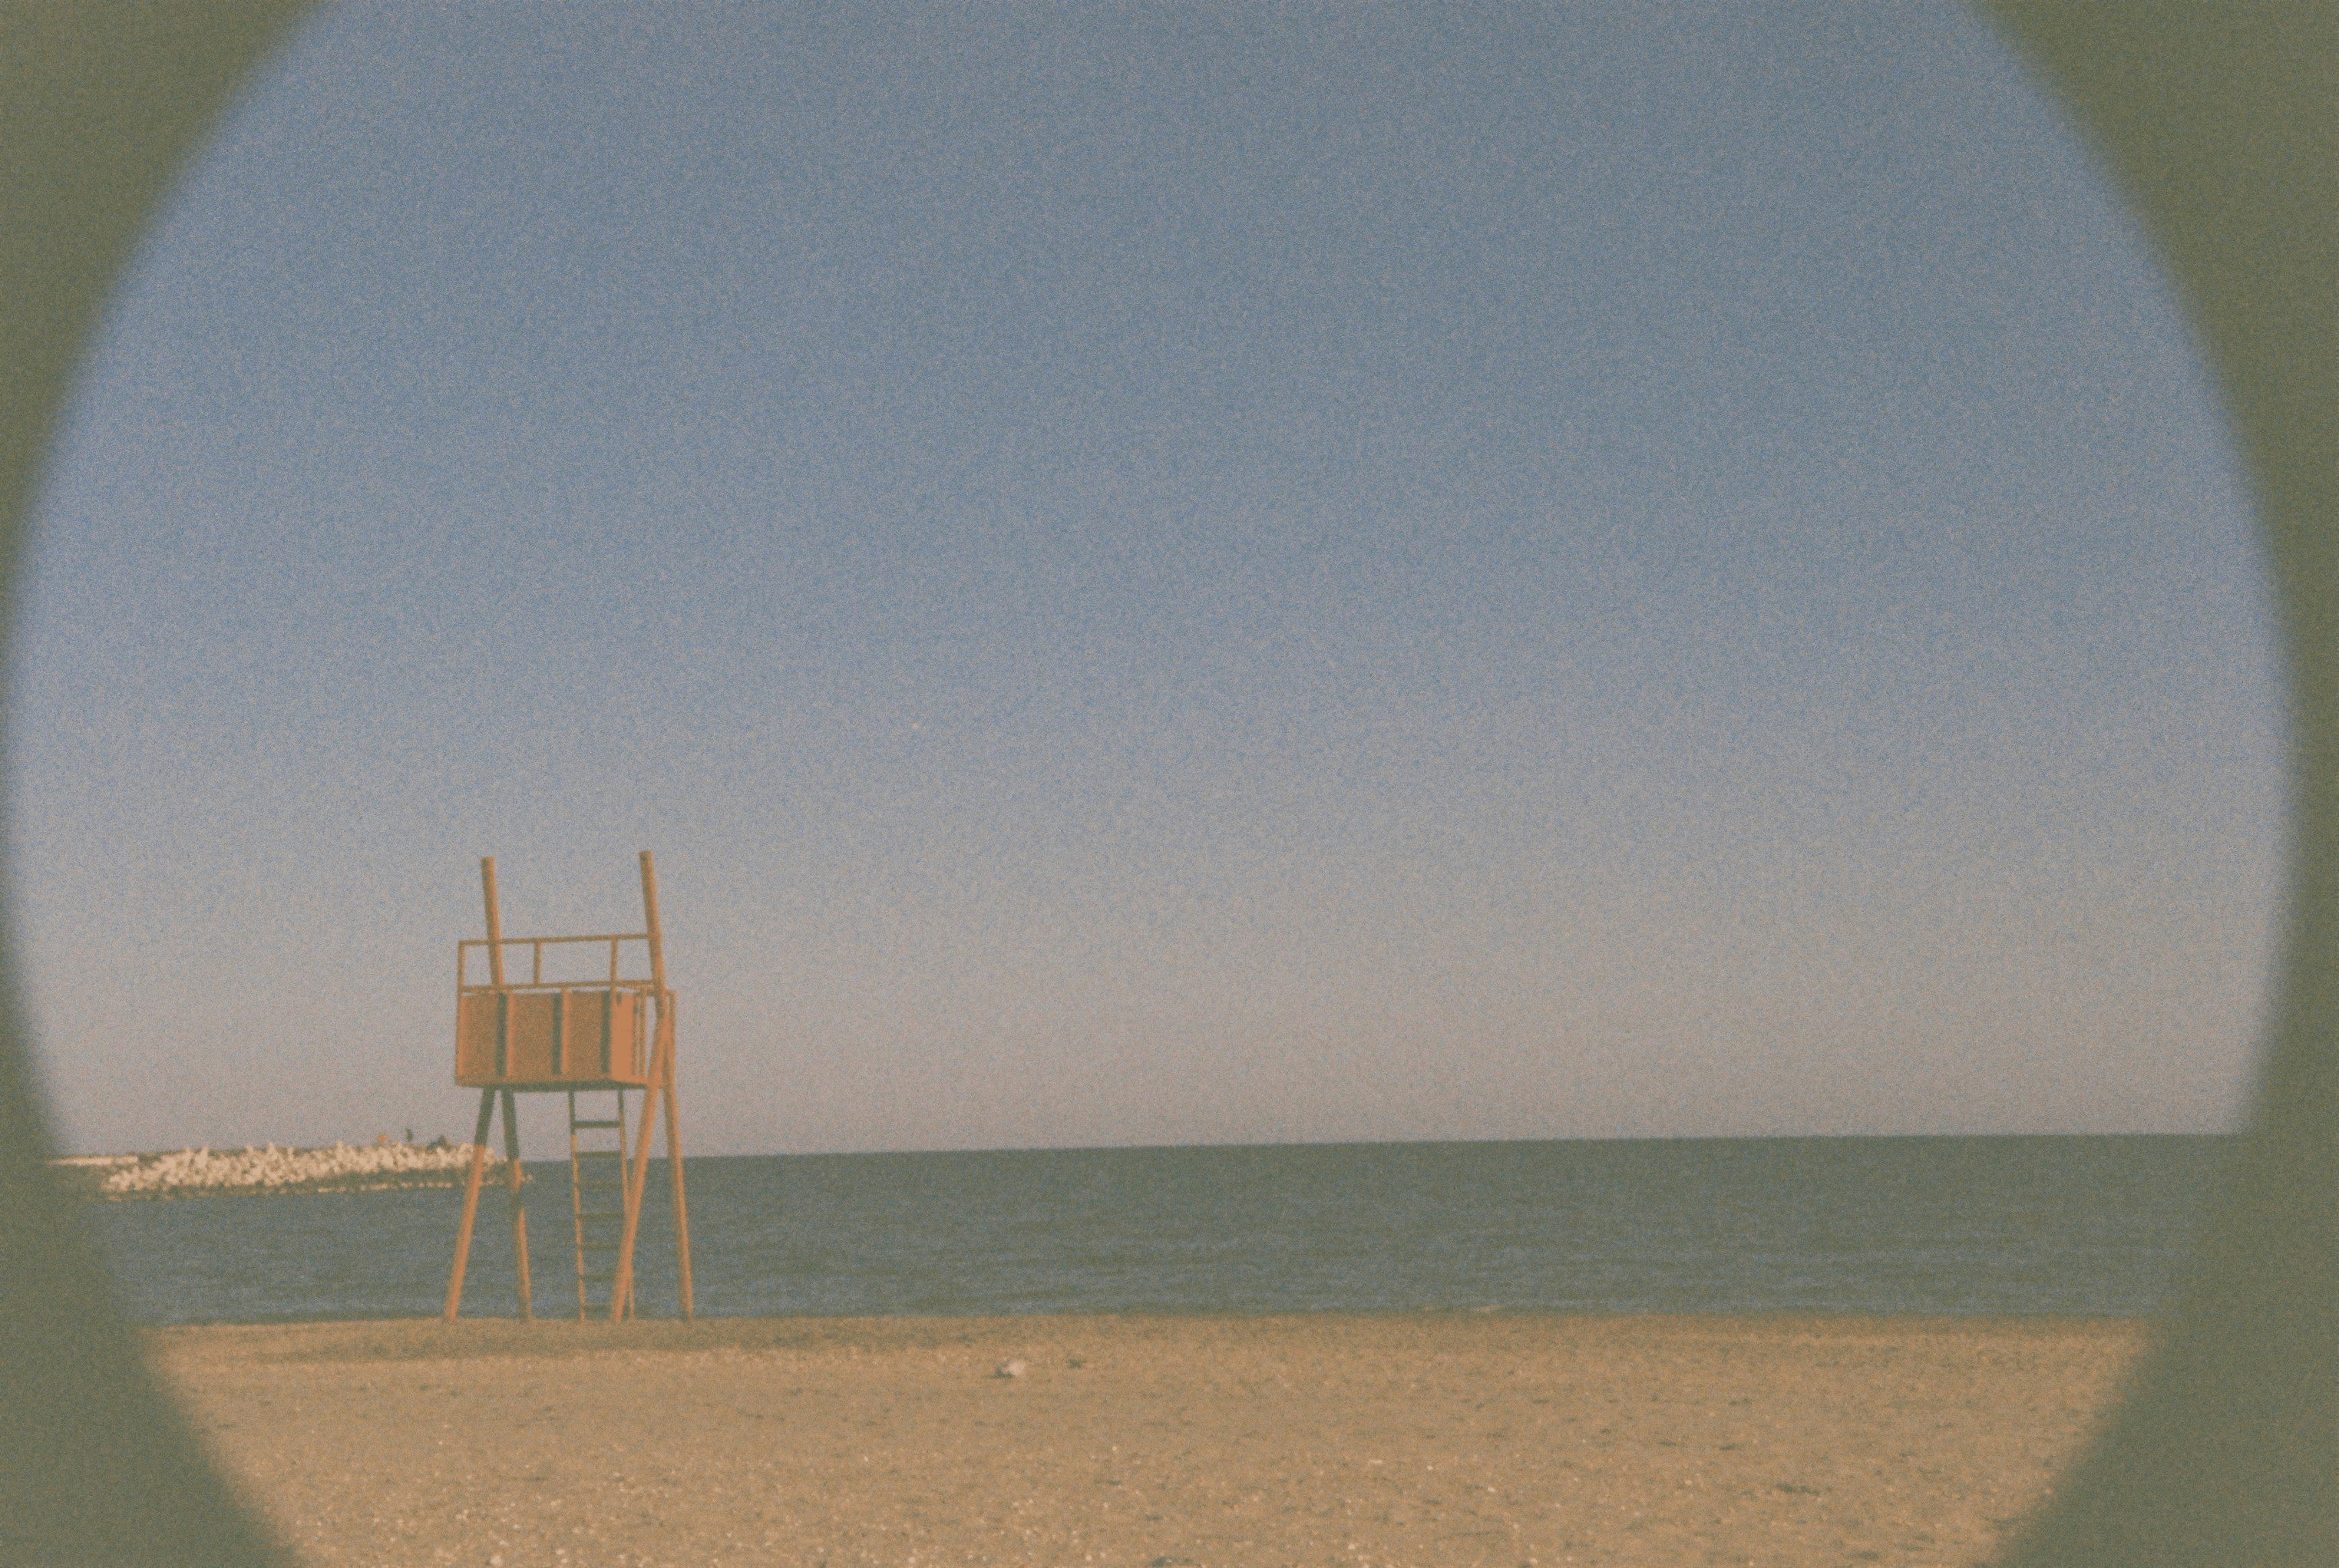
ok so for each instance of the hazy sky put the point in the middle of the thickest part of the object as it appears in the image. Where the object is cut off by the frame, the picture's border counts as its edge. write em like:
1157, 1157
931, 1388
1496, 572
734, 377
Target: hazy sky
1177, 574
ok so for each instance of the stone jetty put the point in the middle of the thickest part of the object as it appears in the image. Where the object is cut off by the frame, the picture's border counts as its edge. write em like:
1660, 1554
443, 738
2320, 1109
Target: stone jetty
340, 1168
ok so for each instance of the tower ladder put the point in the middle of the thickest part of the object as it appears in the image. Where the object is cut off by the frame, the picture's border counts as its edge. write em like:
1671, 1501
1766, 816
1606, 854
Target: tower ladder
596, 1199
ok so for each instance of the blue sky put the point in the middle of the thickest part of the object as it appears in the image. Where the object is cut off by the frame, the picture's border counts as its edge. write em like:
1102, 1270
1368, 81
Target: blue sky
1155, 577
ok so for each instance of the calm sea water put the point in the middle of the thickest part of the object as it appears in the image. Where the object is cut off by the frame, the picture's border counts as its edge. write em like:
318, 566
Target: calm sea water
1932, 1225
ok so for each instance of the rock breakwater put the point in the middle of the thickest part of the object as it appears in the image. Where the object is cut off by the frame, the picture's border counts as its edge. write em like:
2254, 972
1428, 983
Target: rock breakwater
340, 1168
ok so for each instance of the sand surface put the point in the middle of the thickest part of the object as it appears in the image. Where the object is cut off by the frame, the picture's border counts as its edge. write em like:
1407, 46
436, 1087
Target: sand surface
1129, 1442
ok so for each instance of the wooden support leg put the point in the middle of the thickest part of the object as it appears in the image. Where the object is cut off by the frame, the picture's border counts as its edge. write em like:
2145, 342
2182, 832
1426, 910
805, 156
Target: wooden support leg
674, 1169
621, 1289
470, 1205
519, 1208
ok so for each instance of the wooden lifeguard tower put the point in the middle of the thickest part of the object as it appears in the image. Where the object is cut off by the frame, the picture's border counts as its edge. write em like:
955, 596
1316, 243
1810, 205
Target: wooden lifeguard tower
604, 1035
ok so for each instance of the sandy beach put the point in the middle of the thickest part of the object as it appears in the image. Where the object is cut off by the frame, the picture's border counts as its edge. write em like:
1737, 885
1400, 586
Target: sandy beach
1129, 1441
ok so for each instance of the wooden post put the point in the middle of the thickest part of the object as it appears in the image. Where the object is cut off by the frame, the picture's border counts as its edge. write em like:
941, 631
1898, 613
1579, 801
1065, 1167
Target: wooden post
666, 1033
661, 1075
487, 1118
495, 919
621, 1288
519, 1208
576, 1197
470, 1206
650, 928
674, 1168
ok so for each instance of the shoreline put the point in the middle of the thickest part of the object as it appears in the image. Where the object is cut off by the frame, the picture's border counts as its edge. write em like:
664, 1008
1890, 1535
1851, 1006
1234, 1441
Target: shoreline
722, 1329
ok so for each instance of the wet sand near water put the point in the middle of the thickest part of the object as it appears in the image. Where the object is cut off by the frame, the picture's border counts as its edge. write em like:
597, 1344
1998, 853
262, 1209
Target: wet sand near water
1330, 1439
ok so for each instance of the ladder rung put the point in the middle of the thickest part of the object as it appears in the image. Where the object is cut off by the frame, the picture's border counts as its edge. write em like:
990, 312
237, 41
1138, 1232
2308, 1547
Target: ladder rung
579, 1124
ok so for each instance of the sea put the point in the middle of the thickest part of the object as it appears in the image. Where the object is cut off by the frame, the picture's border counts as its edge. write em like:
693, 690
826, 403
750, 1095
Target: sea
2082, 1225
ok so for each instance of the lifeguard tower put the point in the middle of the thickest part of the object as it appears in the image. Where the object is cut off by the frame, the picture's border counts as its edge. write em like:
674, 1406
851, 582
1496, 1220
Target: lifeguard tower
609, 1034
